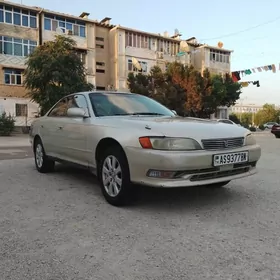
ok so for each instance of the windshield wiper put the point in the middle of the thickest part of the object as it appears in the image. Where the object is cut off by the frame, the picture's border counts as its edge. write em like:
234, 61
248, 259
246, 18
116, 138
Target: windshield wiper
138, 114
147, 114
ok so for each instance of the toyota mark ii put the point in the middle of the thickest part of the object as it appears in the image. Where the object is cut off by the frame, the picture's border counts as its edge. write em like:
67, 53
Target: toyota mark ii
127, 139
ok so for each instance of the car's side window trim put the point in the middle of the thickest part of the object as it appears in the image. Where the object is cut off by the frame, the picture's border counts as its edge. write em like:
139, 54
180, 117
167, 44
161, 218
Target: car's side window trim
66, 99
59, 101
73, 95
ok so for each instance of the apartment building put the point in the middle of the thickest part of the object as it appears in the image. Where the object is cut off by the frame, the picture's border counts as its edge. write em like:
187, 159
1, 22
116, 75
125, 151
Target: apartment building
214, 58
109, 52
23, 28
246, 108
137, 51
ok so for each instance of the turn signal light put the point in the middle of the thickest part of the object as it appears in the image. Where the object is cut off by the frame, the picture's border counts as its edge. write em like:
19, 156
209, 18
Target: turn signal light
145, 142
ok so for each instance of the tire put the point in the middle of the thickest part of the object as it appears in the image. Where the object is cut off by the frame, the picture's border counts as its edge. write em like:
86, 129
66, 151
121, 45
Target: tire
42, 162
277, 136
218, 185
119, 177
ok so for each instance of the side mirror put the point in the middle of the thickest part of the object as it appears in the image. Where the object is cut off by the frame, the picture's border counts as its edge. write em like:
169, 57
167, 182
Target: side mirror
77, 113
174, 112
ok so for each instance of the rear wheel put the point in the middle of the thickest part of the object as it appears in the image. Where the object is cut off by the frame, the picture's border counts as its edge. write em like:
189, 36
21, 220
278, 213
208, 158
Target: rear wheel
277, 135
42, 162
114, 176
218, 185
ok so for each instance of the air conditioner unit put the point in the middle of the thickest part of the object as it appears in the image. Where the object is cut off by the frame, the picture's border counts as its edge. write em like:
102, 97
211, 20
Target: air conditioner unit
69, 32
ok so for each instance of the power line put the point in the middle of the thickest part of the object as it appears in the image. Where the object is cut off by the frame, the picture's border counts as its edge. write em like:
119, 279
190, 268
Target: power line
241, 31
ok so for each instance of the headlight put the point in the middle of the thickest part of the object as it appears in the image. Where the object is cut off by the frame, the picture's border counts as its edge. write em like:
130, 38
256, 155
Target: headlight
169, 144
250, 140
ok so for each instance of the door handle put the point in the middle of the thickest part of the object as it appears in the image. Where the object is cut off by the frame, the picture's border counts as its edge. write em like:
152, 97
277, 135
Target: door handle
60, 127
42, 126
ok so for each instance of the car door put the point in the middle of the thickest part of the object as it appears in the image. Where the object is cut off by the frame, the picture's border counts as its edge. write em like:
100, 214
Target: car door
53, 126
74, 132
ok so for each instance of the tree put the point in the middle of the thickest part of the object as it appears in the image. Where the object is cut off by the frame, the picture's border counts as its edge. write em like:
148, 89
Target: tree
54, 70
234, 118
184, 89
246, 119
267, 114
7, 124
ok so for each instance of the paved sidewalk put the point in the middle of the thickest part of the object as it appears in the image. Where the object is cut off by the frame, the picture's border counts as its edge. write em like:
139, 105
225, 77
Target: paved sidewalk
14, 141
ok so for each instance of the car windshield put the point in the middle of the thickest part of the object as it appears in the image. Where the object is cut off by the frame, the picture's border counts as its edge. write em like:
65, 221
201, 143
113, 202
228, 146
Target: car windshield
122, 104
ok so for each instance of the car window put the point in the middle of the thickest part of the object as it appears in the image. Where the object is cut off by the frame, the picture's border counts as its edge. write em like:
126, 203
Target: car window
60, 109
226, 121
73, 101
126, 104
77, 101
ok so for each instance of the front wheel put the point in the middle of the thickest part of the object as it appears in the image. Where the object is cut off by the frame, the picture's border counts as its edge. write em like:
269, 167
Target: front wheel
114, 176
42, 162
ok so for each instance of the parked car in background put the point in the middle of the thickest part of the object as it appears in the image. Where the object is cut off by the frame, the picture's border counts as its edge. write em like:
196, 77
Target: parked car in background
127, 138
276, 130
269, 125
226, 121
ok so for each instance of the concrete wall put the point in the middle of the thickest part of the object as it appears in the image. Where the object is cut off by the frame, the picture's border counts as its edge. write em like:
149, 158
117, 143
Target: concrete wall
9, 106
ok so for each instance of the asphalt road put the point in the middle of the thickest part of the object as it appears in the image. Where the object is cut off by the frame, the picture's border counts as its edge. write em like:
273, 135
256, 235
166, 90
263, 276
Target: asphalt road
15, 153
58, 226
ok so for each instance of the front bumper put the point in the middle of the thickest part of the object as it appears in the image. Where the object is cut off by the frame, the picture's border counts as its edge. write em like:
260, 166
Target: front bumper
192, 168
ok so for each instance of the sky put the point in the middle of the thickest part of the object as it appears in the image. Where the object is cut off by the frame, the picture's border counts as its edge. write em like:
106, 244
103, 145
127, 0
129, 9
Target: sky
231, 22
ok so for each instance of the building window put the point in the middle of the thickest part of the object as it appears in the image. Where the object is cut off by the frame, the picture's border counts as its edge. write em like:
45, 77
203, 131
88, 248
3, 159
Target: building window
100, 71
219, 56
100, 64
13, 76
99, 46
137, 40
100, 39
144, 66
15, 46
17, 16
73, 27
21, 110
82, 55
100, 88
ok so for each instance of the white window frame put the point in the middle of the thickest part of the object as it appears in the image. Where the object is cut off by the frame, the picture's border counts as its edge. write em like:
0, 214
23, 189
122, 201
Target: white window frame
22, 13
13, 74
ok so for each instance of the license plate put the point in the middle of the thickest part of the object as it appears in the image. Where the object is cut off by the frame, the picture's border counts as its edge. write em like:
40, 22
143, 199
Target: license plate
230, 158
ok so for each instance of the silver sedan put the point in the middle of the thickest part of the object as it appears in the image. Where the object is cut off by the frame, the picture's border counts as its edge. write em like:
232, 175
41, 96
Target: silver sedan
127, 139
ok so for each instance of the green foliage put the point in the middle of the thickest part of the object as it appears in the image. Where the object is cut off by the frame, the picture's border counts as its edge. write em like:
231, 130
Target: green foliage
53, 71
252, 128
267, 114
246, 119
234, 118
261, 127
7, 124
184, 89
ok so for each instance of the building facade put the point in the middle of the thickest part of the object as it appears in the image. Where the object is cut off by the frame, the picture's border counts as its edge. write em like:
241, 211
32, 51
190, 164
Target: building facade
137, 51
23, 28
108, 52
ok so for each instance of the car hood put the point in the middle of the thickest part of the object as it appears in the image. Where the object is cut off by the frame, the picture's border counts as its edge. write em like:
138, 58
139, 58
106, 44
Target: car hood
182, 127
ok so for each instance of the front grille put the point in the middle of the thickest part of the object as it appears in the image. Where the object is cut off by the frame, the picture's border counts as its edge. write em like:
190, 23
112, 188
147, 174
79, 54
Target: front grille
219, 174
221, 144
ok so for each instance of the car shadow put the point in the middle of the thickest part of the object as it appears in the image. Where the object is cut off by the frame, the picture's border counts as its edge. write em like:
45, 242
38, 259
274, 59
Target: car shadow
158, 199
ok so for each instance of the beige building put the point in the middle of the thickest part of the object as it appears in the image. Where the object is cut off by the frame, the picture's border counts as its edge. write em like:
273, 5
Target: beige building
22, 28
133, 51
109, 52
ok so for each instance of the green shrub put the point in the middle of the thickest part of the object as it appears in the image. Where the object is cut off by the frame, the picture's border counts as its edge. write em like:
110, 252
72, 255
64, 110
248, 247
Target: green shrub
245, 125
261, 127
253, 129
7, 124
